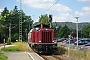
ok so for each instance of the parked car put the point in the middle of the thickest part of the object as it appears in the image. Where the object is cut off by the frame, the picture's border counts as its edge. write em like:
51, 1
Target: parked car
63, 42
55, 40
87, 46
61, 39
71, 41
81, 42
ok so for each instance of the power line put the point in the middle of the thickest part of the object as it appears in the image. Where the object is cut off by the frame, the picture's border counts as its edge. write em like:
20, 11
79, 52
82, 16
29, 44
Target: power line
45, 3
51, 6
43, 6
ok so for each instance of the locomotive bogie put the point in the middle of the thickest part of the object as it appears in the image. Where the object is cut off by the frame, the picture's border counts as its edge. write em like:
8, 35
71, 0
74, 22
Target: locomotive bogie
45, 48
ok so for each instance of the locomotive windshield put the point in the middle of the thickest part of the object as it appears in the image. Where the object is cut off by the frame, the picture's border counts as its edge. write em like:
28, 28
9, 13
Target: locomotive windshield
44, 26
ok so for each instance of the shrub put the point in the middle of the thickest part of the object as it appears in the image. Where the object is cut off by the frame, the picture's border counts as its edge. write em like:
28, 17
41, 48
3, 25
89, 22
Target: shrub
61, 50
9, 41
3, 57
22, 46
15, 37
11, 49
77, 54
19, 46
88, 55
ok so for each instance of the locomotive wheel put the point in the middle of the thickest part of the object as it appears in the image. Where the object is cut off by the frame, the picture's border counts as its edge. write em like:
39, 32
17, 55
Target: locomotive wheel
30, 45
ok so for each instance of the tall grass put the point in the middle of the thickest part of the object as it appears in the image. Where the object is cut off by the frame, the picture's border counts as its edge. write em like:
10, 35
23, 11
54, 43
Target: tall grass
10, 49
22, 46
18, 46
61, 50
76, 54
88, 55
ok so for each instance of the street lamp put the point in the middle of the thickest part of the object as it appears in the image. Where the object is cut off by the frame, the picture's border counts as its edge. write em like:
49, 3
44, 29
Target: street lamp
77, 29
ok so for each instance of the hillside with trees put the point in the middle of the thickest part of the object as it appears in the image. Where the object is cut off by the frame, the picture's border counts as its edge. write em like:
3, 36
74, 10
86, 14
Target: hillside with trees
82, 29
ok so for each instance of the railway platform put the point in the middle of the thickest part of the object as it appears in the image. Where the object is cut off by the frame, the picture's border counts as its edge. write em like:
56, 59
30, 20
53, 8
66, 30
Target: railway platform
21, 55
34, 56
17, 56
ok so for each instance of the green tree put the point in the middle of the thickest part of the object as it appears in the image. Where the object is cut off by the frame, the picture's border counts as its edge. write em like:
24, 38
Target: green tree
44, 20
64, 32
3, 26
13, 17
5, 11
86, 32
15, 37
26, 22
56, 30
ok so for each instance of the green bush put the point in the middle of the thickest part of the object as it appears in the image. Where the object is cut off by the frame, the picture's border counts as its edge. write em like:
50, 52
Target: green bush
11, 49
3, 57
15, 37
61, 50
19, 46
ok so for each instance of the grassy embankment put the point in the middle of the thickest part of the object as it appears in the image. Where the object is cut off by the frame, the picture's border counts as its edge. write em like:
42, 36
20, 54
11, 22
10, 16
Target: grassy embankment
3, 57
18, 46
78, 54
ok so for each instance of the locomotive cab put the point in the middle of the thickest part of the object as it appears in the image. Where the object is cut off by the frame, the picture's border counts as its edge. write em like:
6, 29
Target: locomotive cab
42, 39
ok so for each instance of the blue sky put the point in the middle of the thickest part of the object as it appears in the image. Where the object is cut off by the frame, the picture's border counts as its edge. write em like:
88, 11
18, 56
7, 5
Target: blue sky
62, 11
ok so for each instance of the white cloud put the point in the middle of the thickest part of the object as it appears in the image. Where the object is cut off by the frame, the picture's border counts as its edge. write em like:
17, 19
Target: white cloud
1, 10
86, 9
36, 20
58, 8
79, 13
37, 3
63, 18
84, 0
84, 12
41, 5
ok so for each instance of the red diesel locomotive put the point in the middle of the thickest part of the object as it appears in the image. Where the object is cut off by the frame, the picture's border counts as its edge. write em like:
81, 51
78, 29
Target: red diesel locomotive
41, 39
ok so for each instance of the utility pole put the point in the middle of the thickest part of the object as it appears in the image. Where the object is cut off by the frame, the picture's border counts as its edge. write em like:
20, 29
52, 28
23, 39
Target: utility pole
77, 29
20, 22
26, 33
10, 31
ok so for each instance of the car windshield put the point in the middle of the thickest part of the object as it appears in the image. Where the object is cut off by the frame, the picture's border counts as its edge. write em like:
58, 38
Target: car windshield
89, 43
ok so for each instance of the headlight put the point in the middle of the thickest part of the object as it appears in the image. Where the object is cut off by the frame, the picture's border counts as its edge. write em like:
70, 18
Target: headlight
53, 41
39, 40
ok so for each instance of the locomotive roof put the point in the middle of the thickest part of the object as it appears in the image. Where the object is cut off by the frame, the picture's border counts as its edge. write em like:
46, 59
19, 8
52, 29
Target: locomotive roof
40, 25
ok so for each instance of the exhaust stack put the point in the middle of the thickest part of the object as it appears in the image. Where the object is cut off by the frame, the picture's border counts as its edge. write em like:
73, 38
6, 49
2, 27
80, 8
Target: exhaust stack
41, 25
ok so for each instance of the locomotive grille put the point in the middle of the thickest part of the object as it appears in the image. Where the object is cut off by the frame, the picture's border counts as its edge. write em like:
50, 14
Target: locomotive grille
46, 36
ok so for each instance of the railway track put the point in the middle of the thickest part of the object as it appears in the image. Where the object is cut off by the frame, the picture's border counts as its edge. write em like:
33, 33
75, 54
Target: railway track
51, 57
47, 57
